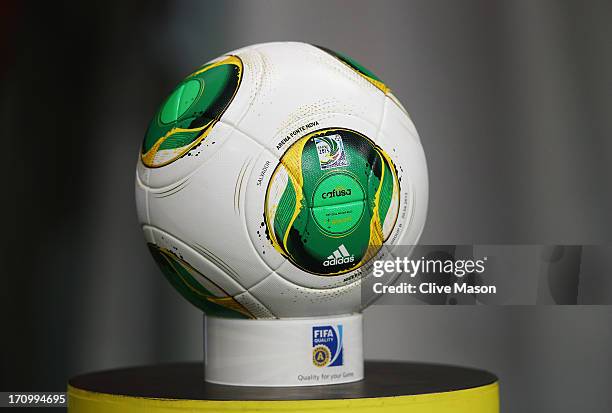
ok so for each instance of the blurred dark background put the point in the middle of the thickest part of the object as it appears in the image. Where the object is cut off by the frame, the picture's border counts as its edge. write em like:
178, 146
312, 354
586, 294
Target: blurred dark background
514, 106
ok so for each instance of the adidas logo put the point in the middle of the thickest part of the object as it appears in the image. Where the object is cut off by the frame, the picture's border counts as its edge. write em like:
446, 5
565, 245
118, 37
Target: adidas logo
339, 256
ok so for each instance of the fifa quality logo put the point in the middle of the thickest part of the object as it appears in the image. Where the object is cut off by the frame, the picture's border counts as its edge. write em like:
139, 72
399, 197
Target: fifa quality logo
331, 152
327, 346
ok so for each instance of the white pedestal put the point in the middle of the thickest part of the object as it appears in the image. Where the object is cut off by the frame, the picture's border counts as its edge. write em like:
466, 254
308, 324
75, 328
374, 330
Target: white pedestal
286, 352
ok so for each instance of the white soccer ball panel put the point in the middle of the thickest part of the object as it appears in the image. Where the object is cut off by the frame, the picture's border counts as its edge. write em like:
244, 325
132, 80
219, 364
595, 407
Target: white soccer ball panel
256, 179
296, 82
254, 306
408, 155
141, 201
396, 112
287, 300
203, 210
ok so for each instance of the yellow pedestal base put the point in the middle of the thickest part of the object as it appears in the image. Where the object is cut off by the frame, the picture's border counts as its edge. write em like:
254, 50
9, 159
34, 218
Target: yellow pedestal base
158, 389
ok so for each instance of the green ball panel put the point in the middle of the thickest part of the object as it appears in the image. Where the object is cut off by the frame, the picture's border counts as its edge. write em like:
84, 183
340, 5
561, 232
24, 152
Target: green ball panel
352, 63
339, 219
192, 108
180, 101
345, 181
180, 278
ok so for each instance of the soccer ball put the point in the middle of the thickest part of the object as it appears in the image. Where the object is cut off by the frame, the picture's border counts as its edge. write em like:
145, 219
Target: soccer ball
272, 177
